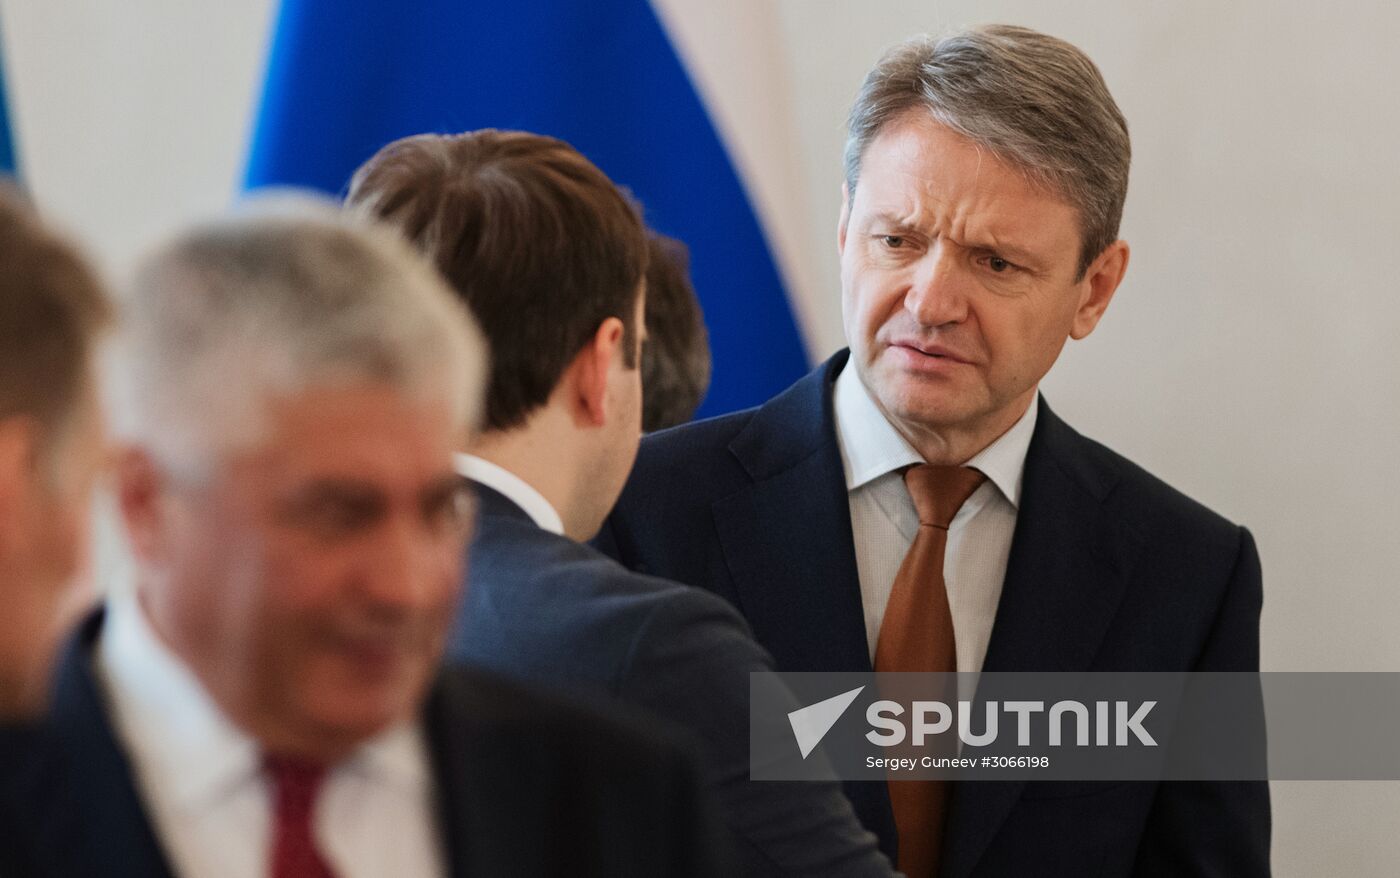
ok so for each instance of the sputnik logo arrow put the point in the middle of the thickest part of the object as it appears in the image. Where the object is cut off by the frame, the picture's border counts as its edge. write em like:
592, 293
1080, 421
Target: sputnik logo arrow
811, 723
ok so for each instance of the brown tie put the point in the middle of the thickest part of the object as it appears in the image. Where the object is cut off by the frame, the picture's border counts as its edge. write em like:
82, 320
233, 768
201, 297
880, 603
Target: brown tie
916, 634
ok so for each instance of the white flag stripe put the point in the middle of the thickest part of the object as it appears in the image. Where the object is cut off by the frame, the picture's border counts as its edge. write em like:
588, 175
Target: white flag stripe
732, 50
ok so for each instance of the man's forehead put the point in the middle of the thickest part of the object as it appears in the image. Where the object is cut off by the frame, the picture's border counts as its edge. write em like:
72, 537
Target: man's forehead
918, 156
385, 439
364, 457
973, 221
921, 176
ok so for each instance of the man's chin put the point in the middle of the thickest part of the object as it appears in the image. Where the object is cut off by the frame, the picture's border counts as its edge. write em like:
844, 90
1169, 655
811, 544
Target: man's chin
361, 708
922, 404
338, 727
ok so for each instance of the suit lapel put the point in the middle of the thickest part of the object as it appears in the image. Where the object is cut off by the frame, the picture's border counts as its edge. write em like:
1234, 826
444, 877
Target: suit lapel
1064, 581
787, 541
447, 735
89, 816
787, 538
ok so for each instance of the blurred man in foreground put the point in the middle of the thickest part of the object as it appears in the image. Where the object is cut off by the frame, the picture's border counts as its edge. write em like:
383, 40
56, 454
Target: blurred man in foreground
676, 352
51, 312
288, 391
551, 257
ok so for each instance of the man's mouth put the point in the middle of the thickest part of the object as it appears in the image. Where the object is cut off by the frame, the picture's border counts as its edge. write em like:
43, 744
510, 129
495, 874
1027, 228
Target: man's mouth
933, 352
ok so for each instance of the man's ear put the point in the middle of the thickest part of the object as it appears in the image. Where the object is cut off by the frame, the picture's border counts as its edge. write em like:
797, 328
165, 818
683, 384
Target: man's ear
1100, 283
139, 486
845, 218
18, 435
588, 373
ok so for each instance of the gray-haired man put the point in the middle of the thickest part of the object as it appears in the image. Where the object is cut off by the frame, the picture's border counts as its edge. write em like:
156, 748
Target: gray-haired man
287, 393
914, 505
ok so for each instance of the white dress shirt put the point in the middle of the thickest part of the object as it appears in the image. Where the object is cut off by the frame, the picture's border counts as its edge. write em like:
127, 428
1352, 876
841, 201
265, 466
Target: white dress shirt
208, 800
513, 488
884, 521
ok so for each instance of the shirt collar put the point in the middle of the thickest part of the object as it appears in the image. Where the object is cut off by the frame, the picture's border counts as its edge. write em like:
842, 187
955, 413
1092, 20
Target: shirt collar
1004, 461
515, 489
180, 736
398, 756
166, 719
871, 447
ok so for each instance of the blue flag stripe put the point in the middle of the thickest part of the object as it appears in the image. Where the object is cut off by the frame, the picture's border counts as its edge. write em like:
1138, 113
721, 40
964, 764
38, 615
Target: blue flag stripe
8, 165
345, 78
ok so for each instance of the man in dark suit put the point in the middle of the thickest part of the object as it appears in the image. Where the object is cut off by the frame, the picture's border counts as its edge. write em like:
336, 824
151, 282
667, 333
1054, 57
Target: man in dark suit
551, 256
287, 393
914, 505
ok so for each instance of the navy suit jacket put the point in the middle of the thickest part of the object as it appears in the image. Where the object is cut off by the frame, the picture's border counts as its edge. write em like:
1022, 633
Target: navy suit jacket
527, 785
544, 608
1110, 569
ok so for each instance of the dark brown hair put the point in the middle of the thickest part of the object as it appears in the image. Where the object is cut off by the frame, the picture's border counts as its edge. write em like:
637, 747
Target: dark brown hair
52, 309
676, 355
540, 244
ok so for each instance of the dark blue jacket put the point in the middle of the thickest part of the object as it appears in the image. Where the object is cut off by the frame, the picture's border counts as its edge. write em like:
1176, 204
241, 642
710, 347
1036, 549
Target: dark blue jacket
1110, 570
544, 608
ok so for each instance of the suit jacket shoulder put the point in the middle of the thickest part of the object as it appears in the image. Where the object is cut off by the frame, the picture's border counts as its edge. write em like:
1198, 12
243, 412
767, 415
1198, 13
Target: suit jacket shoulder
544, 608
539, 785
664, 521
68, 787
17, 859
1144, 502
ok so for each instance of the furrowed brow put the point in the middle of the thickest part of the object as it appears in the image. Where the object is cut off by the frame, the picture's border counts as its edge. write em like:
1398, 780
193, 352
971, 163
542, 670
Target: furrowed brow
892, 222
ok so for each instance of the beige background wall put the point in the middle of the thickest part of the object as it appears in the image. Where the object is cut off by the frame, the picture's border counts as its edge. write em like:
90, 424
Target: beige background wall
1250, 357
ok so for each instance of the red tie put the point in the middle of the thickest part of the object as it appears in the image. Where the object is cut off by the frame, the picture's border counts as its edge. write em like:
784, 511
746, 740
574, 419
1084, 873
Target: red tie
295, 785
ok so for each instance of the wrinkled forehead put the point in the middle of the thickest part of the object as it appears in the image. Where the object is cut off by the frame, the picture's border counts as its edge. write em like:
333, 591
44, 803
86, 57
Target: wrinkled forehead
920, 175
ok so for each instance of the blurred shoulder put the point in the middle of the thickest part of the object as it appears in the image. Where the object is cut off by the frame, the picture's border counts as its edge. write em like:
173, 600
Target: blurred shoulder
494, 720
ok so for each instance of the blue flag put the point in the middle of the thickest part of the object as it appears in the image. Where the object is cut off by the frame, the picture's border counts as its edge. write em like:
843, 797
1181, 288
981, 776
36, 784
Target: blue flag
8, 167
347, 76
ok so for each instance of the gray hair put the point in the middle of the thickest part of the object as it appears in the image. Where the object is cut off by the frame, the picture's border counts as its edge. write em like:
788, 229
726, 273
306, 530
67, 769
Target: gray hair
1034, 101
269, 303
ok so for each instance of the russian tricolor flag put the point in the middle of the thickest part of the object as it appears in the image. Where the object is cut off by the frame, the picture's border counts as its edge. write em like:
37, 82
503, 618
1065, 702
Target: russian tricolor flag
347, 76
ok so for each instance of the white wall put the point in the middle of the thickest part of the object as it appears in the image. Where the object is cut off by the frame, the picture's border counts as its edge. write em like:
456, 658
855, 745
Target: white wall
132, 115
1249, 357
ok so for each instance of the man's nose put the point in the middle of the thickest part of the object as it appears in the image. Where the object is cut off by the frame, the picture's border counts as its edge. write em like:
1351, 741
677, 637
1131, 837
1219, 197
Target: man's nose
411, 566
938, 293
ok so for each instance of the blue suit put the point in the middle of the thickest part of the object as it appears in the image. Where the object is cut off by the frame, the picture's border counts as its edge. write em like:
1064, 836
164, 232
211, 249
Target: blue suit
1109, 570
526, 785
544, 608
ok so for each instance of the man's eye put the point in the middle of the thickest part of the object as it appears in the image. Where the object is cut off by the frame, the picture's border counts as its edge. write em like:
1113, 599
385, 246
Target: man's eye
332, 514
997, 264
451, 512
329, 519
893, 242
